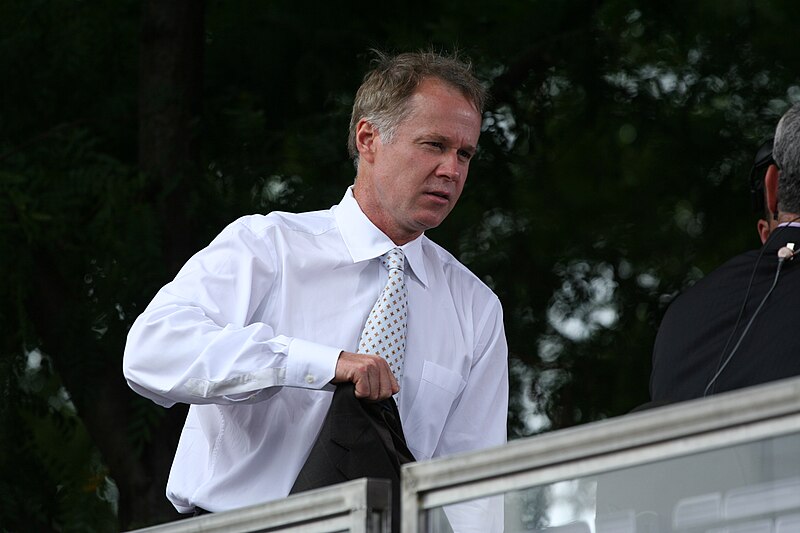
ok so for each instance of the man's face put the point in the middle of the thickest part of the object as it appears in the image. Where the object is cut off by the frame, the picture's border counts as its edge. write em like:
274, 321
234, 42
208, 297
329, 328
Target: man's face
413, 182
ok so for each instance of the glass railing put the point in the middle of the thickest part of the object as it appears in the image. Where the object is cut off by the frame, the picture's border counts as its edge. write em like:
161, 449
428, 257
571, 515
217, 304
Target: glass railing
360, 506
726, 464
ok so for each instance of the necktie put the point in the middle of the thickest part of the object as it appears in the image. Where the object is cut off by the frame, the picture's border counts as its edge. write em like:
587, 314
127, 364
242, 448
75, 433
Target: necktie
385, 331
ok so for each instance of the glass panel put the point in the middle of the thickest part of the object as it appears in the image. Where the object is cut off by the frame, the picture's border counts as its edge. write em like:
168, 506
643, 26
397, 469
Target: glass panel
748, 488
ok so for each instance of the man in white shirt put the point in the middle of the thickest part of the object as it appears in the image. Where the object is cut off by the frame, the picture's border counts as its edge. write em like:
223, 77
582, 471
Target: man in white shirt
256, 328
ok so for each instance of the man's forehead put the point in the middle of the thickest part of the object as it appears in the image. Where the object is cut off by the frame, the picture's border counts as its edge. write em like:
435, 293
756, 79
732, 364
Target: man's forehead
436, 107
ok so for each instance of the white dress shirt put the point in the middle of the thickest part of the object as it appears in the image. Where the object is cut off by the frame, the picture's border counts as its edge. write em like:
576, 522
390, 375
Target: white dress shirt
250, 330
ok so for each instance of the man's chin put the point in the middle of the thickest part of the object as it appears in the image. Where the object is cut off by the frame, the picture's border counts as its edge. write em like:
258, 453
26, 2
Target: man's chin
432, 218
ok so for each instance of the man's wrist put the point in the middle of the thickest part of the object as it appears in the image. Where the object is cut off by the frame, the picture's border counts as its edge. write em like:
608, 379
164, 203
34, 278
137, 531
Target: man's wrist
310, 365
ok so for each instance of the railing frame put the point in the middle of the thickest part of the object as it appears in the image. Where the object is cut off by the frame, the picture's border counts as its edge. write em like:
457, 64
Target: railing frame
359, 506
364, 505
655, 434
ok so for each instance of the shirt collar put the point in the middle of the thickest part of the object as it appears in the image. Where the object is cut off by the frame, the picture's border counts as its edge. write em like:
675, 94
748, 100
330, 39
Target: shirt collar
365, 241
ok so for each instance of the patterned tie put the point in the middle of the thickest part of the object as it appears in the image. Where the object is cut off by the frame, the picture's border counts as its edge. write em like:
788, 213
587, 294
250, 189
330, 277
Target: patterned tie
385, 331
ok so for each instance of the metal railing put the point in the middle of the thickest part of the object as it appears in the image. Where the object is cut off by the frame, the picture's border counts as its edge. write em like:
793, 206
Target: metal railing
724, 420
720, 421
359, 506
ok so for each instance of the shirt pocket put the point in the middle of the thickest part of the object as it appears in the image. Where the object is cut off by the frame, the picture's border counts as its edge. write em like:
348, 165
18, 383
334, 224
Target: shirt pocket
438, 389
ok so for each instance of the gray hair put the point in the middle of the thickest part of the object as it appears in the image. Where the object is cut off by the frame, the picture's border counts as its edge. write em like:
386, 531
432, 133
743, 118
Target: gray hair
786, 153
383, 96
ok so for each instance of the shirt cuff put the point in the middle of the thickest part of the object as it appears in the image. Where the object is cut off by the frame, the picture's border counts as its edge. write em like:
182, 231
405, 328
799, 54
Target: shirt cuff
310, 365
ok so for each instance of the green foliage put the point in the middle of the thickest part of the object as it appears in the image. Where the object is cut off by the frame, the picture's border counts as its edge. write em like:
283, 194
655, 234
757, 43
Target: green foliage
51, 476
611, 175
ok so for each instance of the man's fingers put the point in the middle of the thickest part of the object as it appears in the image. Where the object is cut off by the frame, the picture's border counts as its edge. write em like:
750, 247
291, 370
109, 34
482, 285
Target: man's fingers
370, 374
388, 385
363, 385
373, 382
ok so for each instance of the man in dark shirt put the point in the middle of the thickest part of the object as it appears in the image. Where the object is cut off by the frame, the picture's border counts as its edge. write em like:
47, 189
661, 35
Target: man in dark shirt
737, 326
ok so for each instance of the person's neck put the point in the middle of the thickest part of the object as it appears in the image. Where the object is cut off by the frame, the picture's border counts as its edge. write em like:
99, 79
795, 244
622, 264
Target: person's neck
786, 218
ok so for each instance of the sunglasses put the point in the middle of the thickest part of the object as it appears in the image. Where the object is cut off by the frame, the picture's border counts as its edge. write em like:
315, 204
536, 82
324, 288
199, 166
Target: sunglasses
761, 162
764, 155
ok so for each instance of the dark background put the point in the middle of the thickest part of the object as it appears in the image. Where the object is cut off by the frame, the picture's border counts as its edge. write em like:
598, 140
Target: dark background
612, 173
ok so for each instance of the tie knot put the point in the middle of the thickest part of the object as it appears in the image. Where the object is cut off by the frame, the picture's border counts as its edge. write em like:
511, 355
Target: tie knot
393, 259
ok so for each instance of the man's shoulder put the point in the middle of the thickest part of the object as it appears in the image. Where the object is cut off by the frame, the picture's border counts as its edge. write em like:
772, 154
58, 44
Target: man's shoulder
731, 272
455, 272
310, 222
719, 291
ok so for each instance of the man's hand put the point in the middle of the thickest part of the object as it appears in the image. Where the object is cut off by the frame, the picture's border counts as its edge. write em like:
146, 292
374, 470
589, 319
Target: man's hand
371, 375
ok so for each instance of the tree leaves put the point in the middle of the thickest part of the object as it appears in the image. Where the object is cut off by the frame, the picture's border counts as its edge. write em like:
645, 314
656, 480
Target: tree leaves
611, 174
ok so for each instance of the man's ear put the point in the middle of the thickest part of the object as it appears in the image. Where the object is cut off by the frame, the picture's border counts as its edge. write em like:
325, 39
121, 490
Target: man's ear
771, 189
763, 230
366, 140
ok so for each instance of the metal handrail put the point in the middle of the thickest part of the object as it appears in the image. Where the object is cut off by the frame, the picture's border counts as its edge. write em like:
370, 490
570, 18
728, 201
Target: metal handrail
364, 505
359, 506
659, 433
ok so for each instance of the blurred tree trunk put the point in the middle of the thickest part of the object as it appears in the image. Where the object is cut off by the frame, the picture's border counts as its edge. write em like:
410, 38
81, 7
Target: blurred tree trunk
136, 438
170, 105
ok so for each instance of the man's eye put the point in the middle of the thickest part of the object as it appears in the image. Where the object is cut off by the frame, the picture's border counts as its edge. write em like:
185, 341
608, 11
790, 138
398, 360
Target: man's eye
435, 144
463, 154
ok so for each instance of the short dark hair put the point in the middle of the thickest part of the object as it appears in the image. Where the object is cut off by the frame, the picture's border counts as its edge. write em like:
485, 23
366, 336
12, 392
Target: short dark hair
383, 96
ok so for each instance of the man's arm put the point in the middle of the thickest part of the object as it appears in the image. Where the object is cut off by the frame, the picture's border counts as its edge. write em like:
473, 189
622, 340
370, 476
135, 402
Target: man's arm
479, 420
479, 417
196, 341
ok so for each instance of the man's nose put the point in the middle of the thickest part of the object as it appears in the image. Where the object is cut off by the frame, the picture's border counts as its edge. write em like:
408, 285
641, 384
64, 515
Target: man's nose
450, 167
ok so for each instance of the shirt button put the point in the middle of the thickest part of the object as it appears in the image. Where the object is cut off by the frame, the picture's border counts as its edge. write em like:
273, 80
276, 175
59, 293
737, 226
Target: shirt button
309, 379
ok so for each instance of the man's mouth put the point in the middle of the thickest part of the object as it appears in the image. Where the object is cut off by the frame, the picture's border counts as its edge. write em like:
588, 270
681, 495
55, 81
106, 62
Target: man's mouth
440, 194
